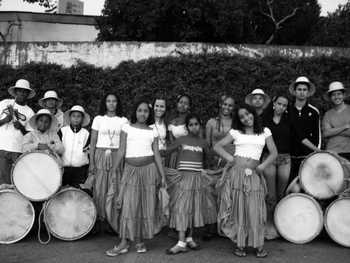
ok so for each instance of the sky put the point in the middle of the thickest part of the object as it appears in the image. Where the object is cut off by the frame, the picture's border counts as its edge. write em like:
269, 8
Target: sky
94, 7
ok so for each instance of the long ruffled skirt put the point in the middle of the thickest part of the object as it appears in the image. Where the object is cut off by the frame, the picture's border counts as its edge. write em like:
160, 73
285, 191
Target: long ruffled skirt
242, 211
192, 203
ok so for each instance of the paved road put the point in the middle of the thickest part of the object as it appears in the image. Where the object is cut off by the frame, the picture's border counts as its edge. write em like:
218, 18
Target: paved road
91, 250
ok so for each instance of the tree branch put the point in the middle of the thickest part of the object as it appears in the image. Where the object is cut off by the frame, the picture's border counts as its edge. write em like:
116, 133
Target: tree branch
287, 17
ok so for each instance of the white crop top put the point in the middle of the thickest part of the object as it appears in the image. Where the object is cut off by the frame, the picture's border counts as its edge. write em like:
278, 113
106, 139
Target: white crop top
109, 129
249, 145
178, 130
138, 141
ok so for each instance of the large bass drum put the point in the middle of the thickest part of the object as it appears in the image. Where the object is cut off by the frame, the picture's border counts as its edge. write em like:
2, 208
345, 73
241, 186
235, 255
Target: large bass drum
70, 214
16, 216
37, 175
337, 221
322, 175
298, 218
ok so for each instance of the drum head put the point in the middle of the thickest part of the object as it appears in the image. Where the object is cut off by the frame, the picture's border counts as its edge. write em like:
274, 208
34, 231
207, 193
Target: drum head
322, 175
298, 218
337, 221
16, 216
70, 214
36, 175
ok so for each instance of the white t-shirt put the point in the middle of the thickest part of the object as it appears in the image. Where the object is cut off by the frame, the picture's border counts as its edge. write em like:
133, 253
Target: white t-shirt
160, 130
109, 129
139, 141
11, 139
178, 130
249, 145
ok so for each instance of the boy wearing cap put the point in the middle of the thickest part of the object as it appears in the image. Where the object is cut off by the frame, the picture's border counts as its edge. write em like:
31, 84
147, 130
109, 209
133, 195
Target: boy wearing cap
76, 140
53, 103
305, 118
336, 121
14, 117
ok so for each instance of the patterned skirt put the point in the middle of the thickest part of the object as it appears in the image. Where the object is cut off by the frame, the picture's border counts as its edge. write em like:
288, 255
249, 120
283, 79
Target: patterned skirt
242, 209
138, 201
192, 203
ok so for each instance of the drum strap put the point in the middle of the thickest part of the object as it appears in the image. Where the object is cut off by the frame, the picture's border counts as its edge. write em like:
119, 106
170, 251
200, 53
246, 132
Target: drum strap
46, 227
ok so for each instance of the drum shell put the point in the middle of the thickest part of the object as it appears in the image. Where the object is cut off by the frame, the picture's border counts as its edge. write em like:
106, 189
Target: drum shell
317, 207
57, 198
322, 196
47, 175
328, 224
30, 212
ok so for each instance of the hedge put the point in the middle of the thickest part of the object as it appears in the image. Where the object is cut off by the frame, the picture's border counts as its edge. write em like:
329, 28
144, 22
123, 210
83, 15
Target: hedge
204, 77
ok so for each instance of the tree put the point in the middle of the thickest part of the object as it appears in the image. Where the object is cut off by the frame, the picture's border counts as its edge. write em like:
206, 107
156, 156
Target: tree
50, 5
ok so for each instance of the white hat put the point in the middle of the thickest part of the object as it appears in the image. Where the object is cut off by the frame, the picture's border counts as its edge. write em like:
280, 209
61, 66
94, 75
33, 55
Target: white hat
249, 97
302, 80
334, 86
21, 84
77, 108
50, 94
54, 122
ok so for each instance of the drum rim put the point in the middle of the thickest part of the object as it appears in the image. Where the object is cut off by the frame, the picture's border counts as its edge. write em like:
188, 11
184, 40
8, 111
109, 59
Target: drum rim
30, 198
326, 221
320, 214
33, 217
300, 177
47, 203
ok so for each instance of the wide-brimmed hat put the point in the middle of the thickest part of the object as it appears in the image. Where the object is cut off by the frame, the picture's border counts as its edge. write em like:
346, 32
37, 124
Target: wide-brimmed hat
54, 121
249, 97
335, 86
22, 84
302, 80
50, 94
80, 109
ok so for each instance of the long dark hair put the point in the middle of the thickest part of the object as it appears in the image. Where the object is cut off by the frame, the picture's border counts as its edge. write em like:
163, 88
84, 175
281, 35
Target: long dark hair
150, 118
179, 97
257, 127
269, 111
191, 116
103, 106
218, 118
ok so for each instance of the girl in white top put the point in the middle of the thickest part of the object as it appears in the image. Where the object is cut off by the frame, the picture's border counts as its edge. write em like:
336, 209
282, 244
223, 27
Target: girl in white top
105, 132
242, 188
140, 209
177, 126
159, 126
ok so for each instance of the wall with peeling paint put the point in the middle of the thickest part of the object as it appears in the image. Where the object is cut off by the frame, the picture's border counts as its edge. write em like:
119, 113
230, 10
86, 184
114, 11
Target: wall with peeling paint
111, 54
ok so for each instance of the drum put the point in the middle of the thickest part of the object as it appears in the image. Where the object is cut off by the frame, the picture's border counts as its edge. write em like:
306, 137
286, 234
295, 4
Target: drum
16, 216
70, 214
322, 175
37, 175
337, 221
298, 218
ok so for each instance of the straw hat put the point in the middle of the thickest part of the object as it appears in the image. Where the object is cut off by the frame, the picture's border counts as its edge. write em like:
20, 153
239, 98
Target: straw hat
302, 80
54, 122
21, 84
249, 97
50, 94
335, 86
77, 108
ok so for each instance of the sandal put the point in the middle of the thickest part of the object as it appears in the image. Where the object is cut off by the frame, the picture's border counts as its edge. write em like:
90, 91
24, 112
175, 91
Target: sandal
116, 251
240, 252
141, 248
193, 245
176, 250
261, 253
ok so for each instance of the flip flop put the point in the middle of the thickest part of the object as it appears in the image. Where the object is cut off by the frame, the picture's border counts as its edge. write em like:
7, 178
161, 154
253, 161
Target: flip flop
240, 252
141, 248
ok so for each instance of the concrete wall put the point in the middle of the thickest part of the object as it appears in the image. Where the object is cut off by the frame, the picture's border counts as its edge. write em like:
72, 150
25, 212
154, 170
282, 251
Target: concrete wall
110, 54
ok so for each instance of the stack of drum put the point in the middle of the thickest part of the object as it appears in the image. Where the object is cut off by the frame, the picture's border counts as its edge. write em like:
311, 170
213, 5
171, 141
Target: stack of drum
69, 213
300, 217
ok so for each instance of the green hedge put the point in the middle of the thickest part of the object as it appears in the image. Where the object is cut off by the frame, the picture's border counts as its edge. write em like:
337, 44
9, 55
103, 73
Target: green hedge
204, 77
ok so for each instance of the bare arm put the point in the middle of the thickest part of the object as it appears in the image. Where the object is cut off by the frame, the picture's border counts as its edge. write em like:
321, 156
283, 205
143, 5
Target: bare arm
209, 133
93, 142
270, 144
57, 145
329, 131
121, 150
157, 159
310, 145
219, 147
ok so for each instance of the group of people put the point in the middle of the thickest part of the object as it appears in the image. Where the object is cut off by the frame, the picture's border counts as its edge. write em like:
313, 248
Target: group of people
230, 172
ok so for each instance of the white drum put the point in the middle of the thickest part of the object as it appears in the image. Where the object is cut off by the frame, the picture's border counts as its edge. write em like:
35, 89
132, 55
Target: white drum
70, 214
37, 175
16, 216
298, 218
322, 175
337, 221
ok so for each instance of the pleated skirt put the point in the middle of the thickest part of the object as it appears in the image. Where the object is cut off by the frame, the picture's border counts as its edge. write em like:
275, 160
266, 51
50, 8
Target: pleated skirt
191, 199
242, 209
138, 201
